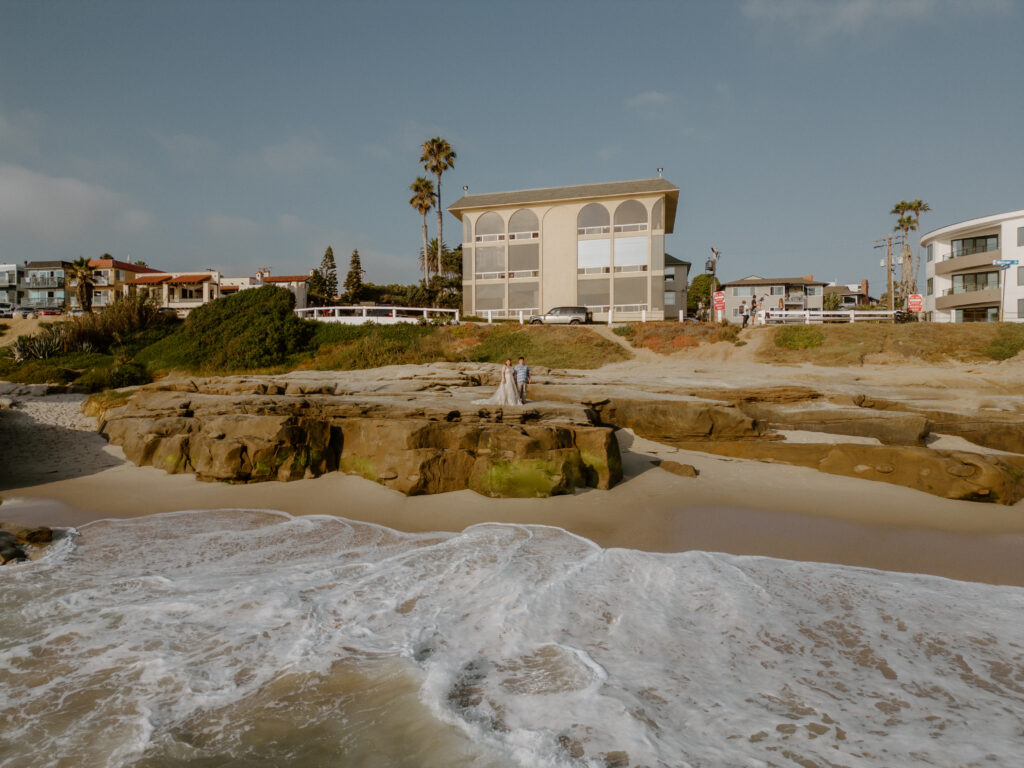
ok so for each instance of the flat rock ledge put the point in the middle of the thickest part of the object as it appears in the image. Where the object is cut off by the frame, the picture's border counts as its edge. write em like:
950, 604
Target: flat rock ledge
411, 445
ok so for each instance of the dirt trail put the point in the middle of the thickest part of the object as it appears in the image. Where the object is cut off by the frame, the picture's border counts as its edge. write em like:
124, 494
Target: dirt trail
639, 353
12, 329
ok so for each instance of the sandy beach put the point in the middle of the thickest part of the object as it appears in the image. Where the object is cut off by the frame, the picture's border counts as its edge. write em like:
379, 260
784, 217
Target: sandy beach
56, 470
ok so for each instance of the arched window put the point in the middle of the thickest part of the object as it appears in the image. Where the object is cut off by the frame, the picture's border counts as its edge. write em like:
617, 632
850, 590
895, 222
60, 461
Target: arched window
523, 226
631, 216
658, 216
593, 219
490, 227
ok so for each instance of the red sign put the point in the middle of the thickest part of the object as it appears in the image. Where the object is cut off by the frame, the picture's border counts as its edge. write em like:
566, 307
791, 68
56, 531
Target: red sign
719, 299
915, 302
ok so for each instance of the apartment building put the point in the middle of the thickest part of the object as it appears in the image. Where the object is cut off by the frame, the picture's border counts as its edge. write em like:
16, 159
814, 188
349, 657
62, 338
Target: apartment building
775, 293
44, 285
962, 282
109, 279
597, 245
10, 275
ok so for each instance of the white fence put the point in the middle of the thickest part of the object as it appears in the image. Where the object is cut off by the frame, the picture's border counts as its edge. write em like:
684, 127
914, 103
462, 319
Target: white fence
379, 315
809, 316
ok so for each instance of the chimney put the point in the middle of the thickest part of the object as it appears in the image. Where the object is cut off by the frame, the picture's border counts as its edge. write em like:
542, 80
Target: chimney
807, 277
864, 288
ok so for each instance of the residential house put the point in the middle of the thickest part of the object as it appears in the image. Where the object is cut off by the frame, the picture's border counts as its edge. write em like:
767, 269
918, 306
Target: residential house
44, 285
597, 245
774, 293
962, 282
10, 275
677, 277
184, 291
851, 295
109, 279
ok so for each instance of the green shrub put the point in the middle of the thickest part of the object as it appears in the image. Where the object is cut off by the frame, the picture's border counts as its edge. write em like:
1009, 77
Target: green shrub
1008, 342
114, 377
252, 329
798, 337
623, 330
728, 332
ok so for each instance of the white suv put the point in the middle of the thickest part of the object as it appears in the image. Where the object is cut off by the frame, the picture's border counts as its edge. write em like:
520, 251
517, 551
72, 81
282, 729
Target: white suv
563, 316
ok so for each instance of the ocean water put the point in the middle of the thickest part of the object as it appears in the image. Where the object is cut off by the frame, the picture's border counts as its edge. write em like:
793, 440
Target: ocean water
248, 638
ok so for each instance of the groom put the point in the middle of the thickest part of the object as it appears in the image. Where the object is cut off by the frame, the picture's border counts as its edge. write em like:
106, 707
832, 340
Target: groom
522, 372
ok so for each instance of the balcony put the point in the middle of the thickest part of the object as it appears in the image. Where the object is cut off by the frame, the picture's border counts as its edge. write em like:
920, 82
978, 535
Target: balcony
967, 261
41, 283
986, 296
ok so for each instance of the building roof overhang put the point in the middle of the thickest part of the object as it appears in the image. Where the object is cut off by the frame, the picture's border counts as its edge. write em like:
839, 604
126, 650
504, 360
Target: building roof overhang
970, 224
570, 193
773, 281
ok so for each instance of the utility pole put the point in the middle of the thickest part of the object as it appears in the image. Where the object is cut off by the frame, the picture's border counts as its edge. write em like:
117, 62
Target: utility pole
886, 242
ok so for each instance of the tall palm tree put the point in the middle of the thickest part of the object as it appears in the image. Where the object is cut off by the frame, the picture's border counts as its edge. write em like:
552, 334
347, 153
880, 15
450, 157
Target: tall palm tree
906, 224
917, 207
438, 156
80, 273
423, 199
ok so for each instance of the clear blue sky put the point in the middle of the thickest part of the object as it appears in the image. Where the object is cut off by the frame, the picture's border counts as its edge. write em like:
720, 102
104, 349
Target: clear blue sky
239, 134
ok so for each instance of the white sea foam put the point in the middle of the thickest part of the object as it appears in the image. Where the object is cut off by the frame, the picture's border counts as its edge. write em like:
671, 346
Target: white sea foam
253, 638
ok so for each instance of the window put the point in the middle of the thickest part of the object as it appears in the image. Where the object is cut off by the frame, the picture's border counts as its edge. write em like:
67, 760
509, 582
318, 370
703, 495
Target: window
523, 226
630, 254
975, 282
744, 290
1020, 309
524, 296
490, 297
593, 219
670, 273
489, 228
524, 260
928, 252
970, 245
1020, 275
930, 286
670, 298
631, 292
631, 216
594, 294
778, 290
490, 262
813, 290
1020, 236
593, 256
658, 216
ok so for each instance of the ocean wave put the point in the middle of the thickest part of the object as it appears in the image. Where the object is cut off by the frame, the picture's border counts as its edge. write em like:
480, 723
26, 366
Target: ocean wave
256, 638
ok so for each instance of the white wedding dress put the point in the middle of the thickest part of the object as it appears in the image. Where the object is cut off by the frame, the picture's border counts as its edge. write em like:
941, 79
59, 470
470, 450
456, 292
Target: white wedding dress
507, 392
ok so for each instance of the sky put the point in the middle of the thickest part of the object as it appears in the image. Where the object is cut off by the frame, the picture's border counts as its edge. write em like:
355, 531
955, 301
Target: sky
237, 135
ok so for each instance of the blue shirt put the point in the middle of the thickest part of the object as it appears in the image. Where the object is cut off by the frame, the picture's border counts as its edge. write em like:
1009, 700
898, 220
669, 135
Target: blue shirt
522, 373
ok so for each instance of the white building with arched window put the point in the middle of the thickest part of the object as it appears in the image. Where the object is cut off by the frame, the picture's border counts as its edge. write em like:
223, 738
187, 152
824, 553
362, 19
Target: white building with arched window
596, 245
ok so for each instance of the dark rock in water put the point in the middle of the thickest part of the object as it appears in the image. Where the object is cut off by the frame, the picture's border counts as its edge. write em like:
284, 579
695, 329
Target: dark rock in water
40, 535
12, 553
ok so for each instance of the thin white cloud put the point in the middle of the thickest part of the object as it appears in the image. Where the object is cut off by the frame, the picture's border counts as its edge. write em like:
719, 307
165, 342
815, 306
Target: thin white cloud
63, 209
295, 155
818, 20
648, 100
20, 131
187, 148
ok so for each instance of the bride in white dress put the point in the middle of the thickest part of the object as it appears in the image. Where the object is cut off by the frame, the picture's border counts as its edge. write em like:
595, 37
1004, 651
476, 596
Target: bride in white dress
507, 392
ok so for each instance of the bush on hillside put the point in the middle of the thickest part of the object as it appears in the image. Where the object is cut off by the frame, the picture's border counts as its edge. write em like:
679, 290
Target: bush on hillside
1008, 342
255, 328
798, 337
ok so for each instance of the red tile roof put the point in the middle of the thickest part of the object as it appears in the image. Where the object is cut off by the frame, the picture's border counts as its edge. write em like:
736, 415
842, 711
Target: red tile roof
285, 278
155, 279
187, 279
127, 266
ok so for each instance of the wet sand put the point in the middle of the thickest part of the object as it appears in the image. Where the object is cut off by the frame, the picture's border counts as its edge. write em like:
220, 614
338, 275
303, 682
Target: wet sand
55, 470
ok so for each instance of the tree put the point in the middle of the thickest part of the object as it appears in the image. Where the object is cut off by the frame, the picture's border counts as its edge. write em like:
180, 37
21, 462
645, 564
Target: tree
354, 278
907, 285
81, 274
423, 199
329, 271
316, 289
700, 288
832, 302
437, 158
917, 207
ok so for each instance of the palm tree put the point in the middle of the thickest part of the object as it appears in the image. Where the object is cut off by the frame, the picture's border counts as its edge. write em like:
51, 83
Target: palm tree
437, 158
80, 273
917, 207
905, 224
423, 199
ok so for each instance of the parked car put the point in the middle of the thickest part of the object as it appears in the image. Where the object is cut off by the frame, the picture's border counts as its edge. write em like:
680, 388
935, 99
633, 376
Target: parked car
50, 311
6, 310
563, 316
